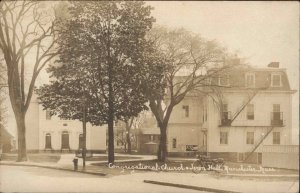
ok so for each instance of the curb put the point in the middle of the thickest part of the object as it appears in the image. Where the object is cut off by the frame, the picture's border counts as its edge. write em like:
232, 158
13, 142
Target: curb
55, 168
262, 175
189, 187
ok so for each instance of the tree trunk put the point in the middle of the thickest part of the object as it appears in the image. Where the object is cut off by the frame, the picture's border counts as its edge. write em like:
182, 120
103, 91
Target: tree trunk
111, 148
22, 154
111, 151
19, 111
159, 149
162, 152
111, 157
84, 136
125, 144
128, 142
128, 126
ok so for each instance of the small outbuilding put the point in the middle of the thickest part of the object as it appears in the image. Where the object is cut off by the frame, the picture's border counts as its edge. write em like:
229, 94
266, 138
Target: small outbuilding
6, 140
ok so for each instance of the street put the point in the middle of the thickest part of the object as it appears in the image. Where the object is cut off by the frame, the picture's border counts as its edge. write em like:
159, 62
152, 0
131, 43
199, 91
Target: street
33, 179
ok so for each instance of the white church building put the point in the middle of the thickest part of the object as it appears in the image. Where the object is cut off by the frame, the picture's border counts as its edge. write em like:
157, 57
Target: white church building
45, 133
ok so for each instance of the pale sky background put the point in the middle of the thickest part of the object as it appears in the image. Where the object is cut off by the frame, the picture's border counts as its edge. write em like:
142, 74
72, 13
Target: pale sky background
261, 32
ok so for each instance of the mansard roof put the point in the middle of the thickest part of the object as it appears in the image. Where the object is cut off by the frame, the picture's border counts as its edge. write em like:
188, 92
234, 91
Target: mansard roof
263, 77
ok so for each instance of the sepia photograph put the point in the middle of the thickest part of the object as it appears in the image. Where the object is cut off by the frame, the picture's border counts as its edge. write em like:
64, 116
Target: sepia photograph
149, 96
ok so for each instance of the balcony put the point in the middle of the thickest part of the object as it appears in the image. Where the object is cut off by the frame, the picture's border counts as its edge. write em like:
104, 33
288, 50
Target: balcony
226, 118
277, 119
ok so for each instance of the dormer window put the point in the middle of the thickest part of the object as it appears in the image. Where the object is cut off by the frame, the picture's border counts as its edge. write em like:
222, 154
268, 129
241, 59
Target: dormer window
250, 80
276, 80
224, 80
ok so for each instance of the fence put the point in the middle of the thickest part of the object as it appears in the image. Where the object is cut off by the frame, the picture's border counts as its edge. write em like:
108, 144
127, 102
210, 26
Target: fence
280, 156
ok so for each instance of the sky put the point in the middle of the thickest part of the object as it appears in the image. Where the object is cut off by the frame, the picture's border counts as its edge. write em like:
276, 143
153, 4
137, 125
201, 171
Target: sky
260, 32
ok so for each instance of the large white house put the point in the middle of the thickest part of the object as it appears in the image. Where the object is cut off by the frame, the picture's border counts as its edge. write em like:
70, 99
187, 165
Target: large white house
251, 107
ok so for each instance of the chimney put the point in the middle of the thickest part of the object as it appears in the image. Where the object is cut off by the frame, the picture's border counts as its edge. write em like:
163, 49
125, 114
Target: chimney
273, 65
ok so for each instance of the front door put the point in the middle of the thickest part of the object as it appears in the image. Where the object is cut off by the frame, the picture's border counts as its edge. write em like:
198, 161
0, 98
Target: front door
48, 141
80, 141
65, 140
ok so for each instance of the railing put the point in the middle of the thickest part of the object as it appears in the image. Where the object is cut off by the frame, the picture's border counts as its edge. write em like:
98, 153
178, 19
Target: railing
277, 118
281, 148
226, 118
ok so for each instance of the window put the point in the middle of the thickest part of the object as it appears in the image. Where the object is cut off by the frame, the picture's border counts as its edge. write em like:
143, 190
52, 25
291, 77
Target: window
276, 80
250, 138
151, 137
224, 80
48, 115
186, 110
250, 80
174, 143
225, 112
276, 112
80, 145
250, 111
223, 137
276, 107
276, 138
48, 141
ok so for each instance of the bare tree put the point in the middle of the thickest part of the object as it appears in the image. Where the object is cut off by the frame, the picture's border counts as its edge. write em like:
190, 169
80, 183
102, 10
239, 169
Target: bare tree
189, 59
3, 92
27, 42
133, 123
128, 130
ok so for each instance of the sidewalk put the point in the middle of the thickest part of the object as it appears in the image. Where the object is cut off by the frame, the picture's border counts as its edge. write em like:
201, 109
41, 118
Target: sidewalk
66, 163
89, 169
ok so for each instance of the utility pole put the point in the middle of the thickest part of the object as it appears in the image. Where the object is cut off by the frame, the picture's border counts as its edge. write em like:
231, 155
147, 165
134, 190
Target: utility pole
84, 133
